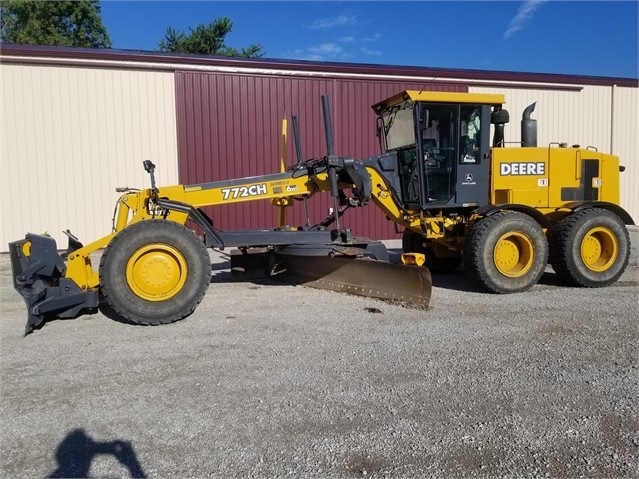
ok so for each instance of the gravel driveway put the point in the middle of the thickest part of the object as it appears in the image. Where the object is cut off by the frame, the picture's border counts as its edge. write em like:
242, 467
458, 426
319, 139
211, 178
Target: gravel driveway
268, 379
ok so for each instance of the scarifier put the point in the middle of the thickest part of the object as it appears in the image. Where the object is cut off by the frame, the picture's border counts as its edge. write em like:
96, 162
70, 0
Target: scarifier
504, 212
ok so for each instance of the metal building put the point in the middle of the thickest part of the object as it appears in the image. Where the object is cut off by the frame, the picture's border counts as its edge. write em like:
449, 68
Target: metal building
76, 123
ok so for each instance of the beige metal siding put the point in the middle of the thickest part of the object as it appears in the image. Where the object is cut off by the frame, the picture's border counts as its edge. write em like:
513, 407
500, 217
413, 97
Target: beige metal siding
70, 136
586, 118
625, 144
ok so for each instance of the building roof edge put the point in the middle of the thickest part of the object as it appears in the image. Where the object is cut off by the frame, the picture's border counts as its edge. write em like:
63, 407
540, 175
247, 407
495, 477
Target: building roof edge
53, 52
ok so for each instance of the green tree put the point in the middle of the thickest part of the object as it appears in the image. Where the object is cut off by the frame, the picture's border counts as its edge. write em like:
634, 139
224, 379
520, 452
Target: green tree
207, 40
64, 23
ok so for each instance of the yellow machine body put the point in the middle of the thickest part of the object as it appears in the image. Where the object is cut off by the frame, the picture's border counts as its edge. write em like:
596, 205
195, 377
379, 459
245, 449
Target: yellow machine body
549, 178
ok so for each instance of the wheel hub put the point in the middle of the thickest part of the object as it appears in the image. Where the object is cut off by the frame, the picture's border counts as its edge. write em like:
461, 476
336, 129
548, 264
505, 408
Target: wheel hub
513, 254
599, 249
156, 272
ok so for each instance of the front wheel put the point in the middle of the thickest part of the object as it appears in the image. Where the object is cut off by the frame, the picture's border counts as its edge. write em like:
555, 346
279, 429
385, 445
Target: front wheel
590, 248
506, 252
154, 272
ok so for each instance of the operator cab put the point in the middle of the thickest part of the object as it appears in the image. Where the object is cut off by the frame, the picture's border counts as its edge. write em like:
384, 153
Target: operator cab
442, 142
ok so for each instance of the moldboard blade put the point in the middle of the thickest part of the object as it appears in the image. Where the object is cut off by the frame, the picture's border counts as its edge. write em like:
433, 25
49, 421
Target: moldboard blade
407, 284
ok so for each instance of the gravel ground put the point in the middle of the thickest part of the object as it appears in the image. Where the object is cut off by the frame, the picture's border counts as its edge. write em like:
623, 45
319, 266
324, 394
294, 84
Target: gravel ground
268, 379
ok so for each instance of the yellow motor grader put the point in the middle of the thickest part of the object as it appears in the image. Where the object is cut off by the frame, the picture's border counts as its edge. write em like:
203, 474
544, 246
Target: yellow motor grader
502, 211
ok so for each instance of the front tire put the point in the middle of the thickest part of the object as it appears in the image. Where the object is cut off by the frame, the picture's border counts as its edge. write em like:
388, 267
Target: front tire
506, 252
590, 248
154, 272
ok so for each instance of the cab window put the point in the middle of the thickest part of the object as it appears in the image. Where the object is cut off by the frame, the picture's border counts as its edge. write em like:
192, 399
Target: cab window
470, 134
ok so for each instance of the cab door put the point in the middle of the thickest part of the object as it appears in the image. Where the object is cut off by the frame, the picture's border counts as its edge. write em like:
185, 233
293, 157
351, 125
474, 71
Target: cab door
473, 144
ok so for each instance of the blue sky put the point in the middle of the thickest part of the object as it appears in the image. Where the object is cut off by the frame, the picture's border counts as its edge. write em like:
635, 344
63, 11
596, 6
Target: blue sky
566, 37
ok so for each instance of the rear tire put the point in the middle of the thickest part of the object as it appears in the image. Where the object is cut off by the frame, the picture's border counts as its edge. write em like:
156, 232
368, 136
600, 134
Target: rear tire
154, 272
506, 252
590, 248
414, 243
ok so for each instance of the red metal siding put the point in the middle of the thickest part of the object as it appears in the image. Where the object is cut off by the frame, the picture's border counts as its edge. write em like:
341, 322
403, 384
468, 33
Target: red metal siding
229, 127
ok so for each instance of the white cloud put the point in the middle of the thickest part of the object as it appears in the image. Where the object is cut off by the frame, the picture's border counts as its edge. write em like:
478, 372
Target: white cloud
331, 22
368, 51
330, 49
374, 38
321, 53
524, 14
339, 49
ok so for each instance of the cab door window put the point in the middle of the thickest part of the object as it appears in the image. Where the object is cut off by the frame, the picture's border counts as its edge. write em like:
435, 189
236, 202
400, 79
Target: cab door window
470, 134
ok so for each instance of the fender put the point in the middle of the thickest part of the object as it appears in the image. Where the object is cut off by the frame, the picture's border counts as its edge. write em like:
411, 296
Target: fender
536, 214
576, 206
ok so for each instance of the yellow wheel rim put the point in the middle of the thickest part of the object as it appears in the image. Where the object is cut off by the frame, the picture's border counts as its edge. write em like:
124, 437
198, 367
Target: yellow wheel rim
599, 249
156, 272
513, 254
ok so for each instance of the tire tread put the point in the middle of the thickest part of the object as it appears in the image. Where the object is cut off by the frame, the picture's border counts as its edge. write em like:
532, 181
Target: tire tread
475, 246
563, 236
110, 295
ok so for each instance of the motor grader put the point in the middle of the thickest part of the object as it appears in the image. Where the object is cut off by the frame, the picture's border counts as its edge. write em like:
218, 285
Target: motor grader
503, 211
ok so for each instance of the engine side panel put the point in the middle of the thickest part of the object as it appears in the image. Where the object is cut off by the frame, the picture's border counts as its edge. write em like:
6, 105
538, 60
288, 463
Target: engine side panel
553, 177
520, 175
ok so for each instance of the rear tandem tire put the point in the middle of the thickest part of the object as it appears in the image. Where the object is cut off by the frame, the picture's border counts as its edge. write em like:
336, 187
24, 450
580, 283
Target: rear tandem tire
154, 272
506, 252
590, 248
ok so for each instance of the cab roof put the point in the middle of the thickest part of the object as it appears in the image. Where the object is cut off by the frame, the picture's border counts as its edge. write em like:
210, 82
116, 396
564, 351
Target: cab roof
440, 97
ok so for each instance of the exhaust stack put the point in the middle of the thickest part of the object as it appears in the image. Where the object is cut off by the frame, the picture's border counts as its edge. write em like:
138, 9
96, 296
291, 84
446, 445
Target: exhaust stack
528, 127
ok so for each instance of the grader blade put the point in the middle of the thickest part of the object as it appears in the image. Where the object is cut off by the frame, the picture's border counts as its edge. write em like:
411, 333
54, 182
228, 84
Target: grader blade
406, 284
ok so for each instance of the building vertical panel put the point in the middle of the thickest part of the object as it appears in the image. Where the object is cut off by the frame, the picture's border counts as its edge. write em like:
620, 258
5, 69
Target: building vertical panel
229, 127
626, 145
78, 133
